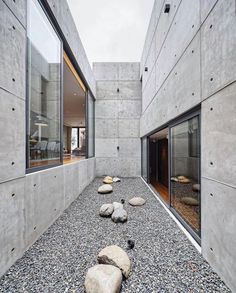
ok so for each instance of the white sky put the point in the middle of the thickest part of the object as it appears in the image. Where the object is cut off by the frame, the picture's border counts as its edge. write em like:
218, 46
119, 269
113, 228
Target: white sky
112, 30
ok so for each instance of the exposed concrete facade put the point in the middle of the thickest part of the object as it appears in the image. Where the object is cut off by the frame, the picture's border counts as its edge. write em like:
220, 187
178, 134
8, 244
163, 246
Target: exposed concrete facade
191, 61
31, 203
118, 110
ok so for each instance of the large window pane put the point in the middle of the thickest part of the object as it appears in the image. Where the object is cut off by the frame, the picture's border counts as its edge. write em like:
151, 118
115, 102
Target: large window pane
185, 171
44, 67
144, 157
91, 125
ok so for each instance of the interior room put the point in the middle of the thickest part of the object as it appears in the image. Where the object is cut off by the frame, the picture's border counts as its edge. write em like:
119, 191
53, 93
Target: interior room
158, 162
74, 112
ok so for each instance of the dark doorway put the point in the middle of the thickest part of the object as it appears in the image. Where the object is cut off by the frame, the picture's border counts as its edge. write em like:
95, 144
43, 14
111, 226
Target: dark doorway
158, 162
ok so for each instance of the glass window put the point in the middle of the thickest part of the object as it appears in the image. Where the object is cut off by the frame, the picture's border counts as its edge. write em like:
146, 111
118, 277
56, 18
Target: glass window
91, 126
144, 157
44, 89
185, 171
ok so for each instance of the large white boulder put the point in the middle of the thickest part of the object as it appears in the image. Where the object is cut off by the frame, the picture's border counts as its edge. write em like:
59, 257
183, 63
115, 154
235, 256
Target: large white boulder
106, 188
114, 255
103, 279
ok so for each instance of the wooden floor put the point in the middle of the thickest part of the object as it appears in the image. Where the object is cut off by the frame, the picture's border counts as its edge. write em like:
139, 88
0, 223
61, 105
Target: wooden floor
162, 190
72, 159
66, 160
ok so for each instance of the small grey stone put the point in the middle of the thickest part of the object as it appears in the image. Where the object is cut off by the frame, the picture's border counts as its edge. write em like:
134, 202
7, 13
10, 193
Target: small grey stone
137, 201
106, 188
196, 187
106, 210
103, 279
119, 215
117, 205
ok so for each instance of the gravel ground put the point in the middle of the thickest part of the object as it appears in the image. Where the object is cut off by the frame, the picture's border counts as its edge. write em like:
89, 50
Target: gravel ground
163, 260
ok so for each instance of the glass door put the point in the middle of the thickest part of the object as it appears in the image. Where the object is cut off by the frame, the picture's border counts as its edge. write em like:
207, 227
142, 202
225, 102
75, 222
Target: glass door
185, 172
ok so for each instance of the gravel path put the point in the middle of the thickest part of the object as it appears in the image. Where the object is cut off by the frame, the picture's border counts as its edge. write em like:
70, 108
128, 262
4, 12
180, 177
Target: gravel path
163, 260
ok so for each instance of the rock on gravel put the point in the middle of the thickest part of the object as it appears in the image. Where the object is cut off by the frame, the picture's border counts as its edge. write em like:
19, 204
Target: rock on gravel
116, 179
103, 279
119, 215
117, 205
106, 210
190, 201
114, 255
106, 188
137, 201
196, 187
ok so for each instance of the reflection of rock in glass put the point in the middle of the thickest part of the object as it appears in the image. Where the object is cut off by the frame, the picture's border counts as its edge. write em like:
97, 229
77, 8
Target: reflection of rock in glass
82, 138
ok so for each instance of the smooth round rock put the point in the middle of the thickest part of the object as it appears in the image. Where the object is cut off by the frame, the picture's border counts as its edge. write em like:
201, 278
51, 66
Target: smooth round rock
108, 178
106, 188
116, 256
174, 179
196, 187
119, 216
117, 205
106, 210
186, 180
181, 177
103, 279
116, 179
137, 201
106, 181
190, 201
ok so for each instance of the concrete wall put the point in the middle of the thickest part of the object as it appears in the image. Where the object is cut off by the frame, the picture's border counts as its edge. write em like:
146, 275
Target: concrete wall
191, 60
30, 203
117, 119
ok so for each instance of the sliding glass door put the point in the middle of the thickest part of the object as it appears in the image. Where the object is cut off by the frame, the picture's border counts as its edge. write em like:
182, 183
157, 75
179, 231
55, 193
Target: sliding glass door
185, 171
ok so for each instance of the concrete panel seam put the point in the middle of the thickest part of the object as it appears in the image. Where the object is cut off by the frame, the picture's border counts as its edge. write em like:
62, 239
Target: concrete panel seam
220, 182
18, 97
219, 89
14, 14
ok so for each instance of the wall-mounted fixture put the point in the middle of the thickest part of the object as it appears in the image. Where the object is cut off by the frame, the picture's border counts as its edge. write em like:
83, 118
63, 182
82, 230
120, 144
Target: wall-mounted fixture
118, 90
146, 69
167, 8
118, 148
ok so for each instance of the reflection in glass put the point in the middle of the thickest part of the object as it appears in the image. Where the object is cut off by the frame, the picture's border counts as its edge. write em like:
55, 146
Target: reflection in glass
44, 65
144, 157
91, 125
185, 172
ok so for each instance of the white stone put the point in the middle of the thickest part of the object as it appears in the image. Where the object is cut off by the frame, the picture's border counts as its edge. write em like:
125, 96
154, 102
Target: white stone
190, 201
116, 179
106, 188
117, 205
116, 256
106, 210
137, 201
103, 279
119, 215
196, 187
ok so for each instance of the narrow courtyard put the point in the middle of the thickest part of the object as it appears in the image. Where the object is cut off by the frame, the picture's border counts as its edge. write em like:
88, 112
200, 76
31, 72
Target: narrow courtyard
163, 259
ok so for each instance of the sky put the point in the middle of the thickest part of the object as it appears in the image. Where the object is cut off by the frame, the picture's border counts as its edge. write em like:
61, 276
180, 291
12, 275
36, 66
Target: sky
112, 30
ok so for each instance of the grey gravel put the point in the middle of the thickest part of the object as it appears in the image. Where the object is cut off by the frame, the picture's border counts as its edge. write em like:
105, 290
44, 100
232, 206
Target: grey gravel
163, 260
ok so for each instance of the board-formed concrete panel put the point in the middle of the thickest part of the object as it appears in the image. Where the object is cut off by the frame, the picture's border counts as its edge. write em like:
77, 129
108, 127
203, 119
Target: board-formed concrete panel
12, 143
129, 128
129, 109
184, 27
218, 48
106, 109
206, 6
219, 136
106, 71
130, 90
218, 229
107, 90
106, 128
18, 8
129, 147
12, 222
12, 52
106, 147
179, 93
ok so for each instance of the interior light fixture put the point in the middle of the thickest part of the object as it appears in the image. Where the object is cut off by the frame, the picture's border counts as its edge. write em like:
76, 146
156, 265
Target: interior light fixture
40, 122
167, 8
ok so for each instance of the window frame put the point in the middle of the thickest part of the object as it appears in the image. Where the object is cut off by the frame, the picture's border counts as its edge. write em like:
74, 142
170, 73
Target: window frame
27, 114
